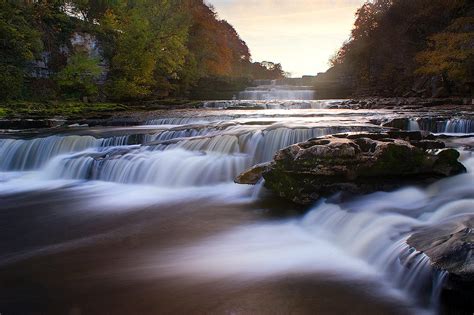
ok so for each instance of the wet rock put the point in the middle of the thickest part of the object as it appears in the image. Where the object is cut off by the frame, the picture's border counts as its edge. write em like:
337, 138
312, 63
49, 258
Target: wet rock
355, 163
428, 144
449, 245
399, 123
253, 175
18, 124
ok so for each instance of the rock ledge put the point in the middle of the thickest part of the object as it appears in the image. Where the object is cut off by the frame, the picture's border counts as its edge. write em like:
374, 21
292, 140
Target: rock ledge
355, 163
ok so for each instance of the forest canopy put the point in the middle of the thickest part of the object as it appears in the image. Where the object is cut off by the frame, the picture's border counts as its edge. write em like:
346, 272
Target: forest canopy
425, 47
120, 50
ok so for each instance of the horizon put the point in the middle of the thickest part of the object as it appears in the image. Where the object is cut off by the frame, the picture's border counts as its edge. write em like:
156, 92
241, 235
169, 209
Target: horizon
315, 29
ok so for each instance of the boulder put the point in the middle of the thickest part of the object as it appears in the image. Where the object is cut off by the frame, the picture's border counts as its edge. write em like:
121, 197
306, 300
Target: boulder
253, 175
449, 245
355, 163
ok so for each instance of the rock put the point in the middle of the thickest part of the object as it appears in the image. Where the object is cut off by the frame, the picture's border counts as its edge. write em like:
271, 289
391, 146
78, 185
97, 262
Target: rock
253, 175
399, 123
30, 123
354, 163
440, 92
449, 245
428, 144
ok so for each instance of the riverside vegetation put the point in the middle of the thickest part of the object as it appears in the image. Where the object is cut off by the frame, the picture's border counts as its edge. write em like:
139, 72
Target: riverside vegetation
408, 48
54, 53
119, 51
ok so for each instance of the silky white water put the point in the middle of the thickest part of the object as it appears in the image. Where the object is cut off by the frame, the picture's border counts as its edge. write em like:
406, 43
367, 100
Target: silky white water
174, 177
277, 92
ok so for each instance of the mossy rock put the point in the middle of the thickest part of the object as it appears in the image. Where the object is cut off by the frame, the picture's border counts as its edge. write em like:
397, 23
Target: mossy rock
355, 163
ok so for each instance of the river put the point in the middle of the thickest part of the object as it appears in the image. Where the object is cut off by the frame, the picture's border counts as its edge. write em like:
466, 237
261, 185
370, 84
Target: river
147, 219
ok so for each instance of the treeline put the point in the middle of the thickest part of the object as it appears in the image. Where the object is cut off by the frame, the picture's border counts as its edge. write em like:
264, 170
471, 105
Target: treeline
410, 48
120, 50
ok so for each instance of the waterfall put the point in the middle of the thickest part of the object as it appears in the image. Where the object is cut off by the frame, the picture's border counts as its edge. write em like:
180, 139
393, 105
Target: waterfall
187, 120
272, 104
173, 168
216, 154
277, 92
35, 153
365, 237
413, 125
459, 126
196, 157
453, 125
259, 145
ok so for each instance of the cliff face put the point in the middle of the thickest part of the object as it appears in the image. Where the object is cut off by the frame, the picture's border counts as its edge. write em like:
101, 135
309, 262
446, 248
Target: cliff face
43, 66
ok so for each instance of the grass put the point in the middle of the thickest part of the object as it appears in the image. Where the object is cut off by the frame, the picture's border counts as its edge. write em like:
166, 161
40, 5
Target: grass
29, 109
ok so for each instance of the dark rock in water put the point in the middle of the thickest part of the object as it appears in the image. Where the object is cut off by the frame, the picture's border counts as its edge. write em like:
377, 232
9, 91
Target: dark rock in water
30, 123
449, 245
399, 123
252, 175
355, 163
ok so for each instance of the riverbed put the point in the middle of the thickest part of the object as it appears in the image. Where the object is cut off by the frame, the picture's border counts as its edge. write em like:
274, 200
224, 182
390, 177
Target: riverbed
147, 219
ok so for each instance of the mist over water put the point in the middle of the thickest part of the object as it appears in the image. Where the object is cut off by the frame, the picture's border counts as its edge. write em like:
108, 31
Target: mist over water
152, 212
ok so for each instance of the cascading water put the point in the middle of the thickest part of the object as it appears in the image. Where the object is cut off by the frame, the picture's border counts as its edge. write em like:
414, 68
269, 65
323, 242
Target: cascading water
453, 125
173, 179
277, 92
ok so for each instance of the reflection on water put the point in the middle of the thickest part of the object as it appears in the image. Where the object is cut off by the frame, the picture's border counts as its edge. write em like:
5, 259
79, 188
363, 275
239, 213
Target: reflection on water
147, 220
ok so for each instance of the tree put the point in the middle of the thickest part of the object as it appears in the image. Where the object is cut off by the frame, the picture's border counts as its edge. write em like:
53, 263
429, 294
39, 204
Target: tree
152, 48
19, 42
149, 48
451, 52
79, 77
382, 53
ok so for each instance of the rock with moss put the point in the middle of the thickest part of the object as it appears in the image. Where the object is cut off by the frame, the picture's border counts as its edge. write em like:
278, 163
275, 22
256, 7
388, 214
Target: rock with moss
356, 163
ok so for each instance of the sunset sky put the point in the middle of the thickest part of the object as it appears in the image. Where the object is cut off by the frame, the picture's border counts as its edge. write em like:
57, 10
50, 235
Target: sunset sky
300, 34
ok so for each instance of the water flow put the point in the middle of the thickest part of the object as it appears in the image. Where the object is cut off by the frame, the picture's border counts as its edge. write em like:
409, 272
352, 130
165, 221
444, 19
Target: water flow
32, 154
454, 125
361, 238
277, 92
202, 154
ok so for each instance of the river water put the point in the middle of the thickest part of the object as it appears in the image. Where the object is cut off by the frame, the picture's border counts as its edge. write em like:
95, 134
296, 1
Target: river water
147, 219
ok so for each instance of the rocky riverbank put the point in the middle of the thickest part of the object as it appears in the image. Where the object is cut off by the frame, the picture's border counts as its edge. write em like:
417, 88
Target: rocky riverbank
21, 115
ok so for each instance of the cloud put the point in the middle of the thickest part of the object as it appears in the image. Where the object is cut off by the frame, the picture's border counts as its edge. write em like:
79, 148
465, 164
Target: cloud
301, 34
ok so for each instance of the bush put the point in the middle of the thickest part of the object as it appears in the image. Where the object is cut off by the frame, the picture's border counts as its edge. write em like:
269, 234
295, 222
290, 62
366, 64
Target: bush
11, 82
79, 77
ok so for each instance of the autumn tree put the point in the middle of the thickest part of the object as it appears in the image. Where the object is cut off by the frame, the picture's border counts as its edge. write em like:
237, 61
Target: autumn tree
381, 54
451, 53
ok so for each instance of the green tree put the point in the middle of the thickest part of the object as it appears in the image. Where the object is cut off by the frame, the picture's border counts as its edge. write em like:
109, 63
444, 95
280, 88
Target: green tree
150, 48
19, 42
79, 77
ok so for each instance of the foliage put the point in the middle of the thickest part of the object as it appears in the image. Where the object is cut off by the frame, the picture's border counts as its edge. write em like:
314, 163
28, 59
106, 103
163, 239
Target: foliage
151, 49
388, 37
451, 52
80, 75
266, 70
19, 42
67, 108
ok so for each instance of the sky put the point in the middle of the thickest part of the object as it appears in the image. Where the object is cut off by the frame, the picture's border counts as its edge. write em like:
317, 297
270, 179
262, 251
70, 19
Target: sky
300, 34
